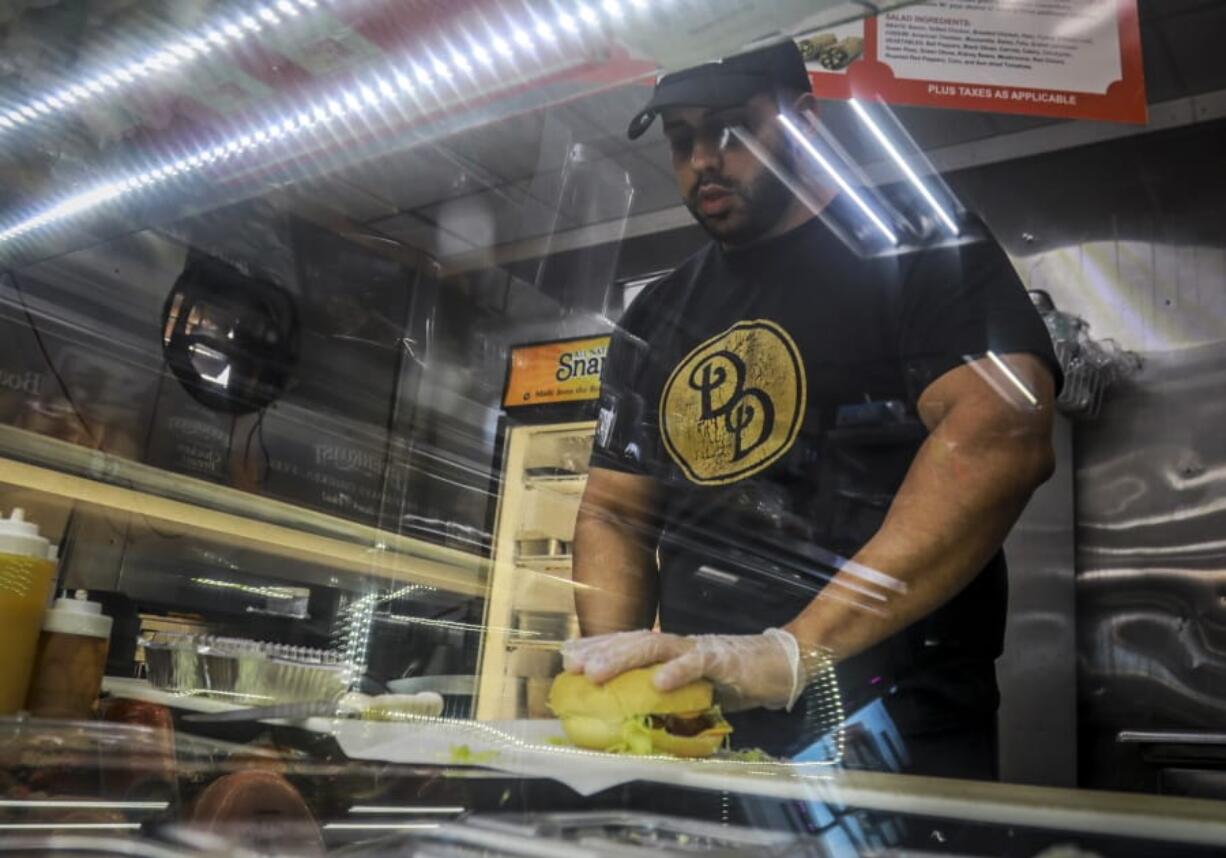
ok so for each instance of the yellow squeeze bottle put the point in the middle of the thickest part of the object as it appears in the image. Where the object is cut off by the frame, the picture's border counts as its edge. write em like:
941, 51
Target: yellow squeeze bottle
27, 573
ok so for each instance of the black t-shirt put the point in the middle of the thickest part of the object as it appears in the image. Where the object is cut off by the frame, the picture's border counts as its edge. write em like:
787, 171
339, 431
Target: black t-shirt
771, 392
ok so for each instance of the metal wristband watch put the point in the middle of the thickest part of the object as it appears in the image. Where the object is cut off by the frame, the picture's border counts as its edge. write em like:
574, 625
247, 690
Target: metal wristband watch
808, 663
815, 662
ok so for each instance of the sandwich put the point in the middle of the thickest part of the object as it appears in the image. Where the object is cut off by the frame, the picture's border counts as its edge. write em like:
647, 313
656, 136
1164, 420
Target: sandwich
628, 715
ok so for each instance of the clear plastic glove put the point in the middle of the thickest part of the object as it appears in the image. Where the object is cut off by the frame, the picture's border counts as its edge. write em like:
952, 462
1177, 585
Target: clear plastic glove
748, 670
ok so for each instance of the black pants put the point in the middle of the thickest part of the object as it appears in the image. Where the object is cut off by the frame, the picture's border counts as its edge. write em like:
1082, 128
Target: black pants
967, 752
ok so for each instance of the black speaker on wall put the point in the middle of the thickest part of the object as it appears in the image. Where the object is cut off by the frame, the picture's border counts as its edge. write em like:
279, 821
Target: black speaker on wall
231, 339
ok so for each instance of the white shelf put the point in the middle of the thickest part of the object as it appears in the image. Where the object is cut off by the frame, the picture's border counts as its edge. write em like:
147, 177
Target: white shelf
555, 563
562, 485
190, 506
533, 644
141, 689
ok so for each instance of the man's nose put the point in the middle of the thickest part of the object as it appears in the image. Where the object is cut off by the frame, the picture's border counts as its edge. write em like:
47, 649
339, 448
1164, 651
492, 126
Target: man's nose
706, 154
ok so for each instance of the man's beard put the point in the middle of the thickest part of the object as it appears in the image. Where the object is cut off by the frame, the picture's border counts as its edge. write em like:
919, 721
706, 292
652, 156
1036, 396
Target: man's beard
762, 203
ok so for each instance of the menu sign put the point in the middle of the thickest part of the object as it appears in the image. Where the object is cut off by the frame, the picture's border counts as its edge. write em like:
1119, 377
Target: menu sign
559, 371
1076, 59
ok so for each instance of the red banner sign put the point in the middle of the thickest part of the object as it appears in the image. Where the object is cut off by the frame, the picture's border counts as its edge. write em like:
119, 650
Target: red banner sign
1075, 59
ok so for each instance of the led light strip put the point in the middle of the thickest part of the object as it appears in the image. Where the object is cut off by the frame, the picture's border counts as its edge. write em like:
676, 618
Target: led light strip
390, 809
380, 826
61, 804
411, 78
898, 159
69, 826
270, 592
817, 156
221, 34
404, 620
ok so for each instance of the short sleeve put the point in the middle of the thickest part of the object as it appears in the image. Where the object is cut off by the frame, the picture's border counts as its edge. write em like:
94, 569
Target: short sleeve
627, 435
961, 302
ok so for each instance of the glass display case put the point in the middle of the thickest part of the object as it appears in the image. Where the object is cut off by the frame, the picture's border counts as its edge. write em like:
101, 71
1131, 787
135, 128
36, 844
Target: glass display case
617, 427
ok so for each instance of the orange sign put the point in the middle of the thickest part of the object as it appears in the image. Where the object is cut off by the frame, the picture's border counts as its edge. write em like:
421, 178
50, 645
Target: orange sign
1074, 59
560, 371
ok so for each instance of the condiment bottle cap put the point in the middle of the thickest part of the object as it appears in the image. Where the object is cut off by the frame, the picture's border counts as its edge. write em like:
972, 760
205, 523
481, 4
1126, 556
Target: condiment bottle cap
18, 536
77, 616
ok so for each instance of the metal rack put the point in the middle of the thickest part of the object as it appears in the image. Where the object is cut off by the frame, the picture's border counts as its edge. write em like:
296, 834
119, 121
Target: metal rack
1091, 367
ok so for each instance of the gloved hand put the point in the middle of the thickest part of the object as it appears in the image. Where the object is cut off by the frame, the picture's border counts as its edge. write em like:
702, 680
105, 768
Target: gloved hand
748, 670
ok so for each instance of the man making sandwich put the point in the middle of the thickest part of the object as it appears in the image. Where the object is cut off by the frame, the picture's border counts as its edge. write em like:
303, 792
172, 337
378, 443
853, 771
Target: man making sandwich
809, 453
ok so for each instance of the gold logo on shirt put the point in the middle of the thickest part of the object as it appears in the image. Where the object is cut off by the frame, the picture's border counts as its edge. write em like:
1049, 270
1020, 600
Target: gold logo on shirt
734, 405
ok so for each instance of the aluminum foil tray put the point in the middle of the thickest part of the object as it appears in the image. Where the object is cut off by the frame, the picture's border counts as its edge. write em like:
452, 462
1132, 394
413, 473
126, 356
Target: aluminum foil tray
250, 671
172, 662
266, 672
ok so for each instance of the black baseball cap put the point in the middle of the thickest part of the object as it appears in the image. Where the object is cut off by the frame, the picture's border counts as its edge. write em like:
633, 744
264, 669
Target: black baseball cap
726, 83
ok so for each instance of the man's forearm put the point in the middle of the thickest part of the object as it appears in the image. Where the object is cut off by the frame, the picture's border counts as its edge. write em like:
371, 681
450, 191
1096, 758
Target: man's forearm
614, 574
951, 514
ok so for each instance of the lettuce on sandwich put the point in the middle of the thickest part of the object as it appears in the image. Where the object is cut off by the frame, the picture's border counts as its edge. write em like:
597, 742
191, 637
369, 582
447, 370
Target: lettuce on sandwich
628, 715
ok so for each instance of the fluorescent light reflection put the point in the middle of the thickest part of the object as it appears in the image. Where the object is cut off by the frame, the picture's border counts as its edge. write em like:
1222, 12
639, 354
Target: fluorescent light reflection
370, 808
380, 826
266, 592
763, 154
405, 620
898, 159
82, 803
69, 826
1013, 379
991, 379
206, 40
374, 92
838, 178
589, 17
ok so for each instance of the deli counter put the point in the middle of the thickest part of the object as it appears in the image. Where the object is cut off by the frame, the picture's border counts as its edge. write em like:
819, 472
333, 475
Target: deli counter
389, 404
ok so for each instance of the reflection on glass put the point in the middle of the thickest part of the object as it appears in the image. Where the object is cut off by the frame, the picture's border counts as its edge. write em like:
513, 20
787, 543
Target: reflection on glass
512, 430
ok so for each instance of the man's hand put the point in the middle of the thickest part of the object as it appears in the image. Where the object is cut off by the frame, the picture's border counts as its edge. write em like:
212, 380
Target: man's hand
748, 670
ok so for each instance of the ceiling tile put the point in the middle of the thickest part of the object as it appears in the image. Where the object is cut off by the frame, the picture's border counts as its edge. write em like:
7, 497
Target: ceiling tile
580, 129
654, 188
415, 231
594, 195
1182, 53
509, 149
612, 109
492, 217
341, 196
656, 154
408, 179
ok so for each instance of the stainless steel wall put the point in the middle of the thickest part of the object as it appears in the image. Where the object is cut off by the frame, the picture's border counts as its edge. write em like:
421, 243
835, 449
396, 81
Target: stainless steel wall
1130, 236
1151, 560
1037, 674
